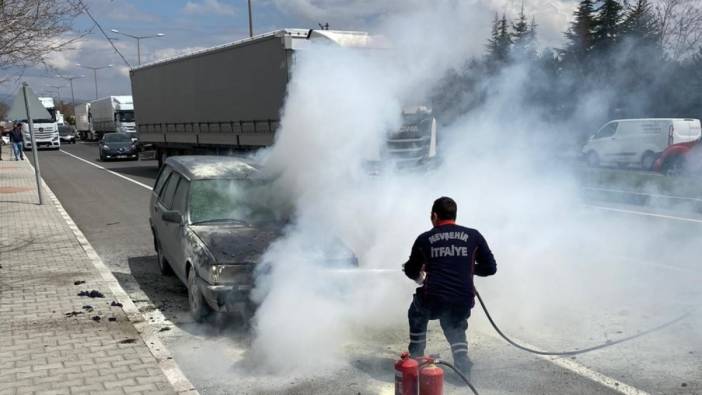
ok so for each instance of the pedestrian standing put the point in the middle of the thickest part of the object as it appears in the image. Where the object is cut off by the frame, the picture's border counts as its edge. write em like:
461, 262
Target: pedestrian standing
17, 141
443, 261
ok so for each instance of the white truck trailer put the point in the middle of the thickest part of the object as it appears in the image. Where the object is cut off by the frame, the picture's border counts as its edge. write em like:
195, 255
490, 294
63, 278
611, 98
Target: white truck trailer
83, 124
46, 133
229, 98
112, 114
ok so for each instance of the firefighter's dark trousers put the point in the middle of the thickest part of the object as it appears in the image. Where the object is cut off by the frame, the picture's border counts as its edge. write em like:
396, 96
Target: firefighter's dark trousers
453, 319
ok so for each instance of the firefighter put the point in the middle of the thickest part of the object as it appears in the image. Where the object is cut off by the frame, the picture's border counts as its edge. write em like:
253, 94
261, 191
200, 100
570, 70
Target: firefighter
443, 261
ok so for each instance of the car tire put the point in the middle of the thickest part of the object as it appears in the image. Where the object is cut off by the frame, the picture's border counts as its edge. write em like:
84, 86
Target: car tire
648, 160
593, 160
199, 309
674, 166
163, 266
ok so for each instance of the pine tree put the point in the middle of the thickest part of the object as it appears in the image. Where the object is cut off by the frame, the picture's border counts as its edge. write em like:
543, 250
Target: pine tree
492, 45
520, 28
500, 41
523, 36
608, 25
580, 34
640, 23
504, 39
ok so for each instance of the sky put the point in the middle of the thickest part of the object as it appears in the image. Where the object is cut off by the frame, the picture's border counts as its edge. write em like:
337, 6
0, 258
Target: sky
190, 25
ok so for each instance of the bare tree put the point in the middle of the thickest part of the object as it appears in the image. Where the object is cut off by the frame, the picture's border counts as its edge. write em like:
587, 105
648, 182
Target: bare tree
680, 24
32, 29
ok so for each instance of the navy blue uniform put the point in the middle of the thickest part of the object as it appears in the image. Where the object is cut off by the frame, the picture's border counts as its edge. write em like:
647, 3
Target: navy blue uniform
450, 255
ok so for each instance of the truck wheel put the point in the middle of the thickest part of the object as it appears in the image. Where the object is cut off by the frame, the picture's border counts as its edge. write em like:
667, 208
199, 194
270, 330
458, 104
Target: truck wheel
199, 308
675, 166
647, 160
593, 160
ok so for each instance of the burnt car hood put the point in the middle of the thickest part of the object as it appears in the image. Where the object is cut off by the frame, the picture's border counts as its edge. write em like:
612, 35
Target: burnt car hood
236, 244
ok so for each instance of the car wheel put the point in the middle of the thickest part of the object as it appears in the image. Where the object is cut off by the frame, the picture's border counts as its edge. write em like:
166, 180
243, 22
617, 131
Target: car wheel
593, 160
647, 160
199, 308
163, 265
675, 166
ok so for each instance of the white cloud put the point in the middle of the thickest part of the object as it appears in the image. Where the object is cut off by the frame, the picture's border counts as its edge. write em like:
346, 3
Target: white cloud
208, 7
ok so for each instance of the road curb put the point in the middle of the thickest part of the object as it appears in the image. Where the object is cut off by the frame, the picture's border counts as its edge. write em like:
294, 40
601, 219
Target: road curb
165, 360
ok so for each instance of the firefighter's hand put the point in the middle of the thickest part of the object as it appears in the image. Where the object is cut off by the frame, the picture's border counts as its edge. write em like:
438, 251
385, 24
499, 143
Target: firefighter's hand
421, 277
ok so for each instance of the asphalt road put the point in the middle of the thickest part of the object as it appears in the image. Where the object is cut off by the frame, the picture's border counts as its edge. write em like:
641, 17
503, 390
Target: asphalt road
112, 212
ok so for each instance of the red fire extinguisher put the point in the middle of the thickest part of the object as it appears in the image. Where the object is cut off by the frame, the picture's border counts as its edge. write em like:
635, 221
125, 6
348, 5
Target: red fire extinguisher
431, 379
406, 375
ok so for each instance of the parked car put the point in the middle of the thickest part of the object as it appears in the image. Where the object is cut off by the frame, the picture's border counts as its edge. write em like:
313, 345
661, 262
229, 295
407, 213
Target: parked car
678, 159
67, 134
211, 227
117, 146
638, 142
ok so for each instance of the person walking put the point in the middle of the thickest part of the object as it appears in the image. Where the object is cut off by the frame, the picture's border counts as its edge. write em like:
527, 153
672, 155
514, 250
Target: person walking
17, 141
443, 261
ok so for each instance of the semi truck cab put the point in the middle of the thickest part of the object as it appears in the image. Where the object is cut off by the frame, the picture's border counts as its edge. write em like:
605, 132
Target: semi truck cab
124, 122
46, 133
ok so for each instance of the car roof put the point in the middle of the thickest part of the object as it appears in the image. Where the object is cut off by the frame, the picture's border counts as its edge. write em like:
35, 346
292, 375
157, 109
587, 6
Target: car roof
199, 167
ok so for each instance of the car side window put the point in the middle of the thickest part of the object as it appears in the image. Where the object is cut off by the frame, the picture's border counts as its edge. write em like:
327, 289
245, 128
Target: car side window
181, 196
166, 197
161, 179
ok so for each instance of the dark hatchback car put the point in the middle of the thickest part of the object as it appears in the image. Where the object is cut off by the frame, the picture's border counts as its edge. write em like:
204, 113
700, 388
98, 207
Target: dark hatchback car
117, 146
211, 226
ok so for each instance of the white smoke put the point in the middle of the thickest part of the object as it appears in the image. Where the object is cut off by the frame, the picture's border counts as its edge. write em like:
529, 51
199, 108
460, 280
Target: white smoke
498, 164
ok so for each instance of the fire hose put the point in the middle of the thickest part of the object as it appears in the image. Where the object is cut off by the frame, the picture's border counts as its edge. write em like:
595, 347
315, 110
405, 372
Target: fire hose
573, 352
497, 329
549, 353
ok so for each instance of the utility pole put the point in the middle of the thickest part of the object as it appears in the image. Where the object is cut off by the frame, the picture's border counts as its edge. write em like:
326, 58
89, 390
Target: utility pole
37, 171
250, 21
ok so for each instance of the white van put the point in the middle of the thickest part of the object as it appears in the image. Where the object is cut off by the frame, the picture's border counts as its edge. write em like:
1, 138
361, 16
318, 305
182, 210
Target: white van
638, 142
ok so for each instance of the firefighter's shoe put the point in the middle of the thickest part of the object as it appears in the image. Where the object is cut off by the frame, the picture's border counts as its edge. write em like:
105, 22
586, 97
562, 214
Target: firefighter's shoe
463, 365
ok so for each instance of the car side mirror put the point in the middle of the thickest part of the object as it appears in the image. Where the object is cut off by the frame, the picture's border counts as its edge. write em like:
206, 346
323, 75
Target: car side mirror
173, 217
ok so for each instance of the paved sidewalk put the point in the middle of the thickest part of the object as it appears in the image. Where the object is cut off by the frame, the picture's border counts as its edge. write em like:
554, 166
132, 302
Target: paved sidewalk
50, 340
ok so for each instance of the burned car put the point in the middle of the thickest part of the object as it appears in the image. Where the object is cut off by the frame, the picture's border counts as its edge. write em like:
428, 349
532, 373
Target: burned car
211, 225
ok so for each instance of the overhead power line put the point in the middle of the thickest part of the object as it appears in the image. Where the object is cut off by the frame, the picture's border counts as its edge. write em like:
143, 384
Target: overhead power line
87, 11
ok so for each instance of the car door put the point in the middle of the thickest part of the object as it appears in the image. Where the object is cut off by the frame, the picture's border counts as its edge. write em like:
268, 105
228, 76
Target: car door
608, 145
177, 232
167, 230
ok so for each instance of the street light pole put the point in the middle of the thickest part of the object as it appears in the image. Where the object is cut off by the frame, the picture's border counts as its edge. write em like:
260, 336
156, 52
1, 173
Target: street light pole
250, 21
58, 90
95, 70
138, 40
70, 79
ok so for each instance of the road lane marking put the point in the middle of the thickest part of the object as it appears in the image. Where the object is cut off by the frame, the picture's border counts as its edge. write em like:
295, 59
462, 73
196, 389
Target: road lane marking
656, 195
646, 214
108, 170
581, 370
148, 334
